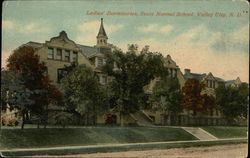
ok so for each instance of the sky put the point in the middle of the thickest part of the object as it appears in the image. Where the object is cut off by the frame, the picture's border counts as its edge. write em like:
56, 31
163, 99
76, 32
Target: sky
204, 36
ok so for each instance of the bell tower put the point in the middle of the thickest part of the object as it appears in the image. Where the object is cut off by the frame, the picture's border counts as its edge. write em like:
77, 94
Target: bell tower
102, 38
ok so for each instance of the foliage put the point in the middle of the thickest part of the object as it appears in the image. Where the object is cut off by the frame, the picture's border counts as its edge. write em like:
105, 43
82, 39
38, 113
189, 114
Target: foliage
83, 93
132, 71
13, 92
63, 118
167, 96
233, 101
36, 84
193, 100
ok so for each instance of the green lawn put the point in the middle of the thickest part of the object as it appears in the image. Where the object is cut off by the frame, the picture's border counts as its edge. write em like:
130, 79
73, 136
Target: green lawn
226, 132
32, 137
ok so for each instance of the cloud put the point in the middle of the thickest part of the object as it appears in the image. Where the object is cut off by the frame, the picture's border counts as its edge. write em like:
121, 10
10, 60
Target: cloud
6, 24
233, 42
32, 27
193, 49
89, 30
156, 28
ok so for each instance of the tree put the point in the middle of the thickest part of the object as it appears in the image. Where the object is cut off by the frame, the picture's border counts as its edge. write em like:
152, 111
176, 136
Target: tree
167, 96
83, 94
131, 72
14, 94
233, 101
193, 100
33, 75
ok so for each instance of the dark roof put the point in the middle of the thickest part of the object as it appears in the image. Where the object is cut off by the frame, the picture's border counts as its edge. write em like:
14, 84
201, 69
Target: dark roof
88, 50
219, 79
199, 77
229, 82
34, 44
101, 30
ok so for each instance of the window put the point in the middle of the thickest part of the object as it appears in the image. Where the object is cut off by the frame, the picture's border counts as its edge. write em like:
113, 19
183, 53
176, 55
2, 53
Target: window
67, 55
60, 74
99, 62
50, 53
74, 57
59, 54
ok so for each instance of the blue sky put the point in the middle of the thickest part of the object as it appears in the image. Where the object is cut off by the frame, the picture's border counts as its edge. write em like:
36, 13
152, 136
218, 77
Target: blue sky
203, 44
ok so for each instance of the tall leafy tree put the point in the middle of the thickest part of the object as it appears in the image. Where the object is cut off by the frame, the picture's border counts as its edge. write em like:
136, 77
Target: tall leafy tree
132, 71
83, 94
167, 96
14, 94
33, 75
233, 101
193, 99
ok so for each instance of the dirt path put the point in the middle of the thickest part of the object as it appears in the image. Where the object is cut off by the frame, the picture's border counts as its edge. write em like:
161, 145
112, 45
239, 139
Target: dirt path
220, 151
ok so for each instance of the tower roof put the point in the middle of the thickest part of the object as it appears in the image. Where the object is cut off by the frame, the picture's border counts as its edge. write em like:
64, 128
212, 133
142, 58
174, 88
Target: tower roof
101, 30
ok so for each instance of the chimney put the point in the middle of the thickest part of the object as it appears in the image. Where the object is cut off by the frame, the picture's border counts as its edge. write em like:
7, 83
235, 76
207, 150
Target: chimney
187, 71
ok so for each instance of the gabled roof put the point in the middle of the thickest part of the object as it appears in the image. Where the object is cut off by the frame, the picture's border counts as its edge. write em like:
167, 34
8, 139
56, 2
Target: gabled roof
199, 77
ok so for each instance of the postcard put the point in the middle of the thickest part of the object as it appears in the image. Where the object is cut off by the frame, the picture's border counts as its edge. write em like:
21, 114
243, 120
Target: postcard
125, 78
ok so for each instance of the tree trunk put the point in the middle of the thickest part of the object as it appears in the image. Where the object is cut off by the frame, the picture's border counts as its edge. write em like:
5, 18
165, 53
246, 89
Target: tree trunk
121, 118
86, 119
46, 116
23, 115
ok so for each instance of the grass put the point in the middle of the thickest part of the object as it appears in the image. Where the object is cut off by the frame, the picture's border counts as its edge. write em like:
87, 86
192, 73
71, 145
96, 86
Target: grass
50, 137
226, 132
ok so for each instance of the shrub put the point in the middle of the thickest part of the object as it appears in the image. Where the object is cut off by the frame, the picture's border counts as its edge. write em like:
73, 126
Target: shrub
63, 119
13, 122
3, 121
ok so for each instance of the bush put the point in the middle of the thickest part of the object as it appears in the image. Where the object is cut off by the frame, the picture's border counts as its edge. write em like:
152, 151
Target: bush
3, 121
110, 119
13, 122
63, 119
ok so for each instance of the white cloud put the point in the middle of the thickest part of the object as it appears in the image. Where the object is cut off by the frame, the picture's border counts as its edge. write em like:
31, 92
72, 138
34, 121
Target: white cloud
166, 29
6, 24
89, 31
32, 27
198, 54
156, 28
242, 35
148, 28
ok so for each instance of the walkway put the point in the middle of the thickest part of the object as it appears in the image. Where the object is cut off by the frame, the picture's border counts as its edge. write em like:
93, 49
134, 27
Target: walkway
199, 133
